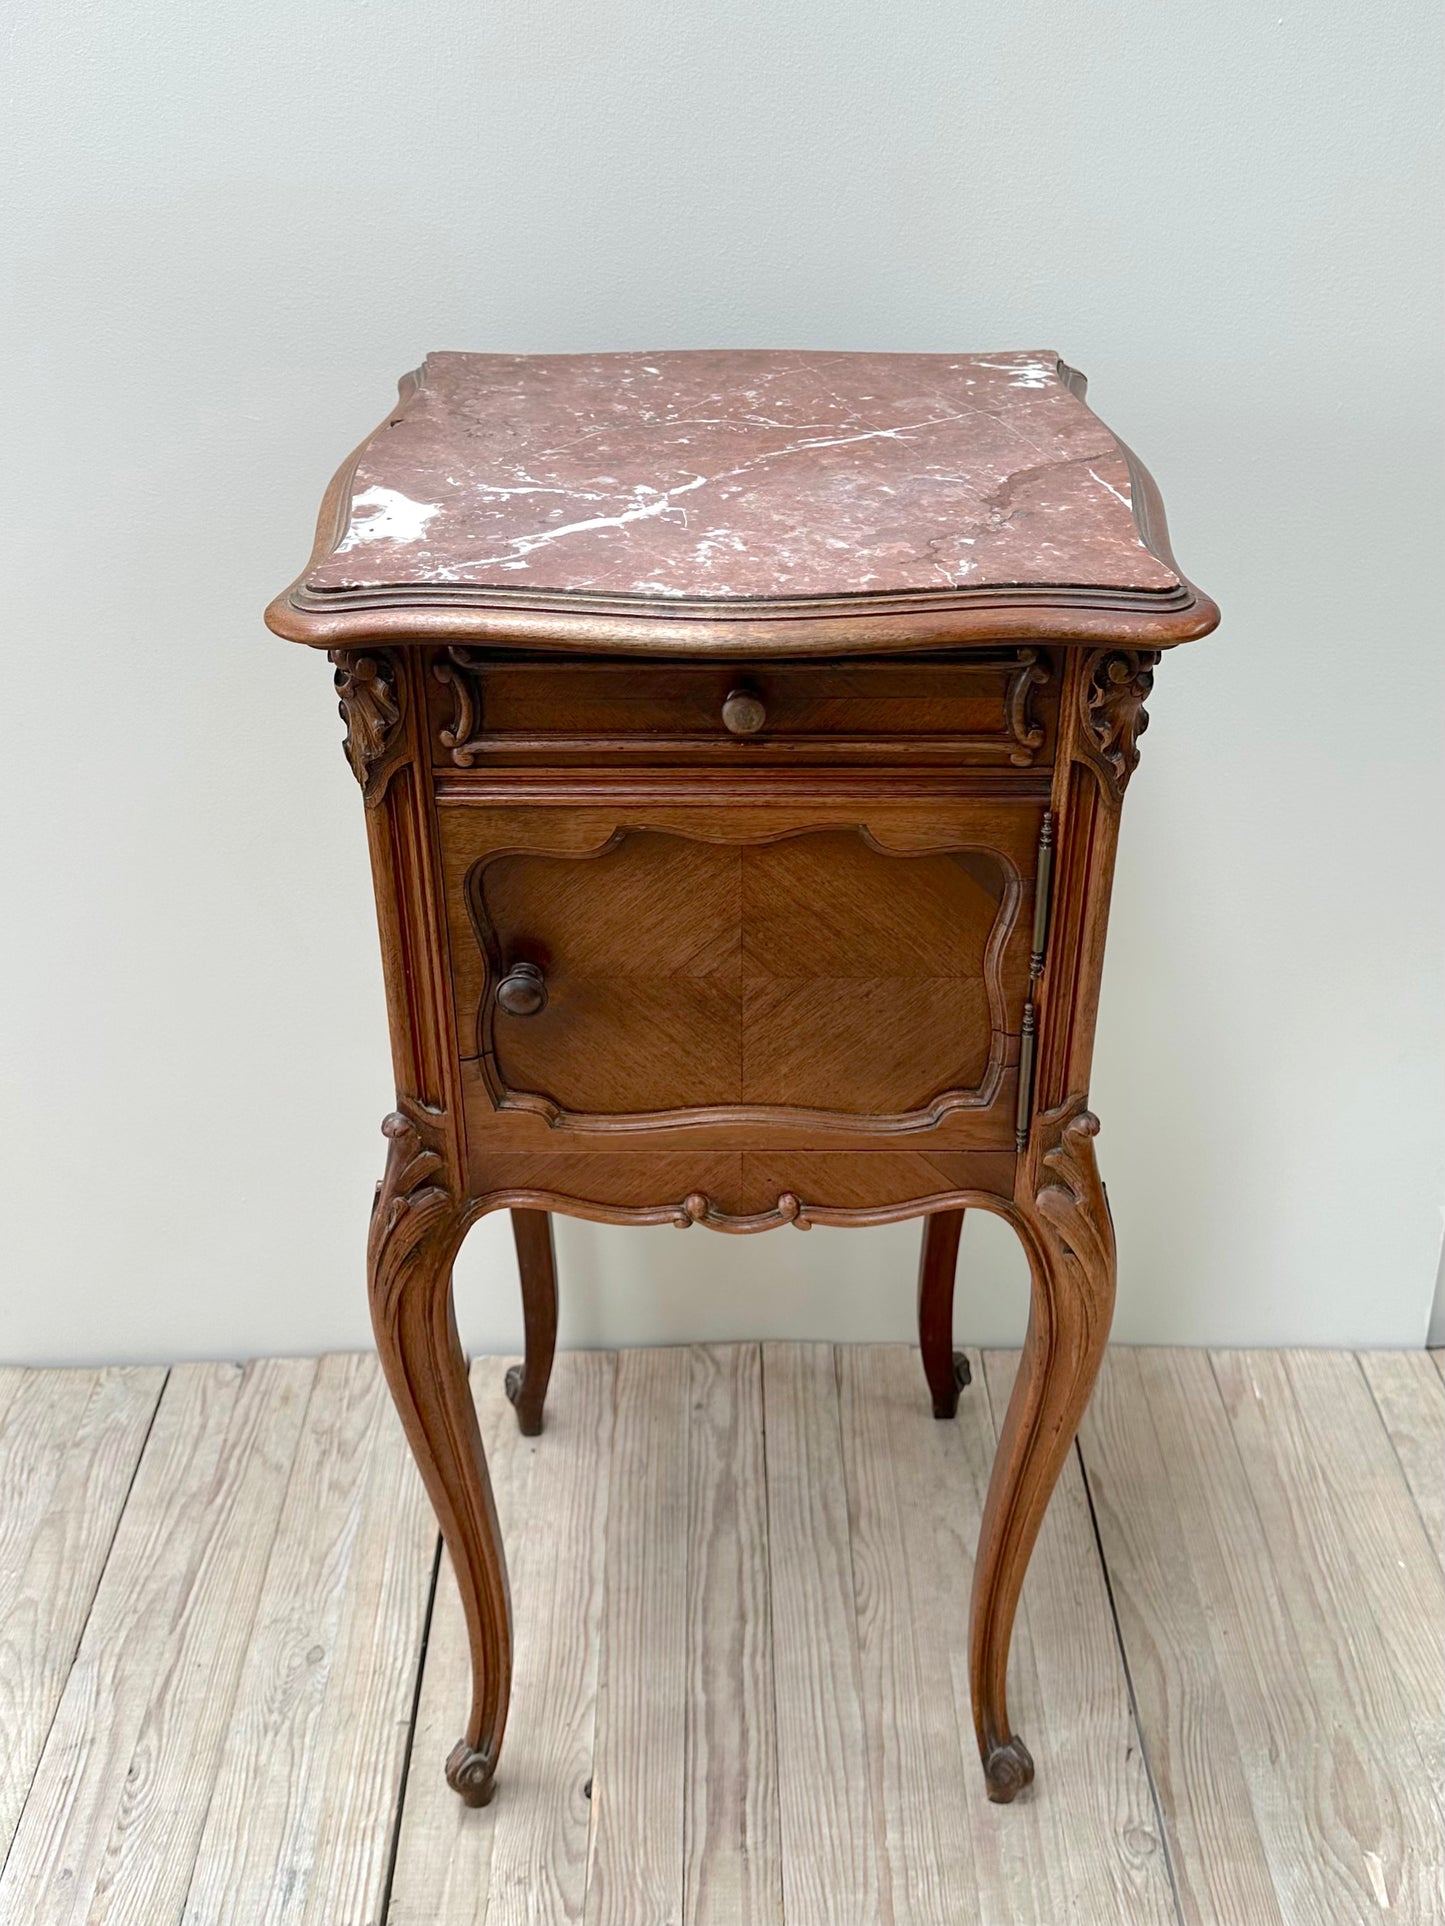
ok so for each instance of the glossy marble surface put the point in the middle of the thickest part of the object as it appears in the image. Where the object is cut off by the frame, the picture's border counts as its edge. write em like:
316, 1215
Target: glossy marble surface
728, 474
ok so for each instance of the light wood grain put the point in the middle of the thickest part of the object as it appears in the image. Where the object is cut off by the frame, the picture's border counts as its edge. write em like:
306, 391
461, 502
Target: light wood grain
1092, 1780
1333, 1821
524, 1857
1221, 1868
371, 1690
69, 1445
832, 1843
236, 1714
733, 1873
1328, 1714
1411, 1400
12, 1376
443, 1868
1018, 1877
300, 1825
544, 1816
636, 1871
110, 1830
1437, 1358
1353, 1461
906, 1622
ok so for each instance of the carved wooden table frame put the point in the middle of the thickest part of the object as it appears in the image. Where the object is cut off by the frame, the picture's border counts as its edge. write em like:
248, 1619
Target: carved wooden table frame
1056, 1204
1038, 792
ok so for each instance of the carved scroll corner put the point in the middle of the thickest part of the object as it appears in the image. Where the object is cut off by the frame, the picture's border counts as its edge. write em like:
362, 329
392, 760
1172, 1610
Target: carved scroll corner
1116, 685
414, 1158
369, 700
1069, 1194
459, 735
413, 1200
1025, 731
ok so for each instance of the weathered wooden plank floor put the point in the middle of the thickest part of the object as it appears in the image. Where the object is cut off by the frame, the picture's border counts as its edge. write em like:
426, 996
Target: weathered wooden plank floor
232, 1662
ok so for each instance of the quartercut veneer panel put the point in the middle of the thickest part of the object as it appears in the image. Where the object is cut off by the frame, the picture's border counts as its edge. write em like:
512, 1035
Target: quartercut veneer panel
824, 970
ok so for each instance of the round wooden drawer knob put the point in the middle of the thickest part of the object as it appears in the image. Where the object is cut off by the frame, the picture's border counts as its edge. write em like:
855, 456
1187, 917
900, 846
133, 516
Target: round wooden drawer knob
522, 991
743, 713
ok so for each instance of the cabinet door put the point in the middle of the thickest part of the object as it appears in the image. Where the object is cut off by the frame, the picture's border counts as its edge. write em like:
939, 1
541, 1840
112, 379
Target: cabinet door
711, 967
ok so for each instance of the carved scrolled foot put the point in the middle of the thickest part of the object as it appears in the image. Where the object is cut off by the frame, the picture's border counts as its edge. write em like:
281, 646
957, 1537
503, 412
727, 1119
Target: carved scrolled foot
472, 1775
1007, 1769
529, 1421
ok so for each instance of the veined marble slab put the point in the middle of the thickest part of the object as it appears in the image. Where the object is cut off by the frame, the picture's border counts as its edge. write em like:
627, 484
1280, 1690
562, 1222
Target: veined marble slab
721, 475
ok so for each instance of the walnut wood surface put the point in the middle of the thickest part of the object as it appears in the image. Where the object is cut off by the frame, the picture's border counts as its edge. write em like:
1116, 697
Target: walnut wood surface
981, 709
537, 1270
1063, 1220
743, 1191
733, 1037
686, 975
945, 1369
803, 976
786, 970
416, 1227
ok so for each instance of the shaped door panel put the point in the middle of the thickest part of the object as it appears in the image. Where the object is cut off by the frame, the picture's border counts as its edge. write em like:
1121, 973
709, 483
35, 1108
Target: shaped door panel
723, 968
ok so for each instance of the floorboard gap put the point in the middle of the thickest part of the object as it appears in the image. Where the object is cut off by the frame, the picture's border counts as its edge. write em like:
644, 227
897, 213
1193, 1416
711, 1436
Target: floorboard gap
1394, 1448
772, 1623
1164, 1843
384, 1907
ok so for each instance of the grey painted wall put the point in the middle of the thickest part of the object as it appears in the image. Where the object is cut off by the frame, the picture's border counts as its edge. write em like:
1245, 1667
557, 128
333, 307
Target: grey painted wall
229, 228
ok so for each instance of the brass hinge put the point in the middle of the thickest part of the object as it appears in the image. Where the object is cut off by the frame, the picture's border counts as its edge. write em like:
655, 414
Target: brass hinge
1043, 892
1026, 1079
1028, 1037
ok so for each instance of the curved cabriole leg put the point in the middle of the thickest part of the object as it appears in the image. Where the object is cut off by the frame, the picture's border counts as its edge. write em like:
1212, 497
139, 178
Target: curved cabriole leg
537, 1264
416, 1228
1070, 1241
945, 1368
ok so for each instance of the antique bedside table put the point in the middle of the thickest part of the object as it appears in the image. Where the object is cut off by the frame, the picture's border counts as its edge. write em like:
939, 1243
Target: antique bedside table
743, 738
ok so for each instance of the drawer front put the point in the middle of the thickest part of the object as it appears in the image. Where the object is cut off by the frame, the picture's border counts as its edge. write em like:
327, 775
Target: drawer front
993, 709
765, 976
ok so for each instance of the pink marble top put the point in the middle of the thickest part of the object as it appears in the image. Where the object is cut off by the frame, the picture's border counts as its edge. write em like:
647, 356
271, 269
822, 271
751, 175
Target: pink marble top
720, 475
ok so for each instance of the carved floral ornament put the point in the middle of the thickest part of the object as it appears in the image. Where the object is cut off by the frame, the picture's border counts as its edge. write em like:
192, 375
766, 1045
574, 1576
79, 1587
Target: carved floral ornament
370, 706
698, 1208
1119, 681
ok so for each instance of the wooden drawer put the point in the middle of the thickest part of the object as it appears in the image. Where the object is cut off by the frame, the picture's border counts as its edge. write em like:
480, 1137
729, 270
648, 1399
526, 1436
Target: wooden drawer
991, 708
789, 975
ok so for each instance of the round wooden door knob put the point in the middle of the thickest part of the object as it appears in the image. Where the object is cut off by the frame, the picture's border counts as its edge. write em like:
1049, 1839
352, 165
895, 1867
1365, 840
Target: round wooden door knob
743, 713
522, 991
